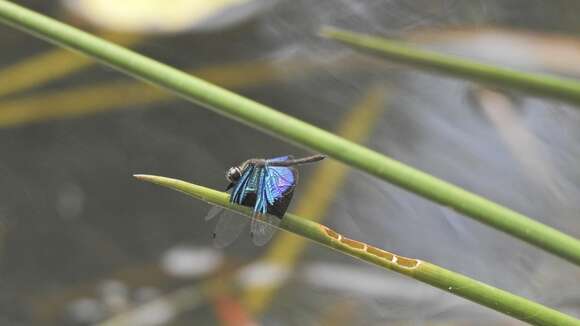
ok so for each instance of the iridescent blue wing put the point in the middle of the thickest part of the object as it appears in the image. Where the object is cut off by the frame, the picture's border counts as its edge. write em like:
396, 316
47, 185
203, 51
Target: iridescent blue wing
260, 230
241, 188
279, 179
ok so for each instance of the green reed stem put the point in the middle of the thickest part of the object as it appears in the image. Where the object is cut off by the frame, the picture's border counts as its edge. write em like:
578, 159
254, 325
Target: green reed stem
534, 84
460, 285
291, 129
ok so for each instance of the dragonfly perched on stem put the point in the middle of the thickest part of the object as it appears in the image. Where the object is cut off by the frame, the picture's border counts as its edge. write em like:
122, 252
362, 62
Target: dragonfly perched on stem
265, 185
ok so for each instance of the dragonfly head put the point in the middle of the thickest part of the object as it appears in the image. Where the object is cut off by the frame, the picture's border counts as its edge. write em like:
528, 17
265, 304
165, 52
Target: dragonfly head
233, 174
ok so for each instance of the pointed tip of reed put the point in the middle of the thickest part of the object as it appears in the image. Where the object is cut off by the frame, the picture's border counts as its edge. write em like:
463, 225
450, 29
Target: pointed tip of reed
327, 31
144, 177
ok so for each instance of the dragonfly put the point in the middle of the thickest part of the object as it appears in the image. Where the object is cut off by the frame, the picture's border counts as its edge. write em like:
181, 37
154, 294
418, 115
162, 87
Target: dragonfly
265, 185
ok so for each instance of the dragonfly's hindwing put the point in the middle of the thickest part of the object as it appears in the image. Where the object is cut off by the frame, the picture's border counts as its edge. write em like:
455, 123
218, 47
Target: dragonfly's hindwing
280, 182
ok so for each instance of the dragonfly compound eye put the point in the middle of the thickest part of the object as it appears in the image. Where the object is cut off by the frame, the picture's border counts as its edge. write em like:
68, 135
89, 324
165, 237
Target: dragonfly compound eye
233, 174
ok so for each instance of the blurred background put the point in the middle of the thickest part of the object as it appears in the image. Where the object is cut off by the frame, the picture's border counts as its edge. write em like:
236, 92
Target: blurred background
83, 243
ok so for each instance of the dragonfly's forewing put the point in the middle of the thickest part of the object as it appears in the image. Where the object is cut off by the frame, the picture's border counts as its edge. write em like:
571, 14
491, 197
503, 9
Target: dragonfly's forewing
263, 228
213, 212
230, 225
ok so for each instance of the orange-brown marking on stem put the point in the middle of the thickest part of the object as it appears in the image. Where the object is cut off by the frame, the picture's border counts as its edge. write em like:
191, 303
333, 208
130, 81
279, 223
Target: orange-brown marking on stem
353, 243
